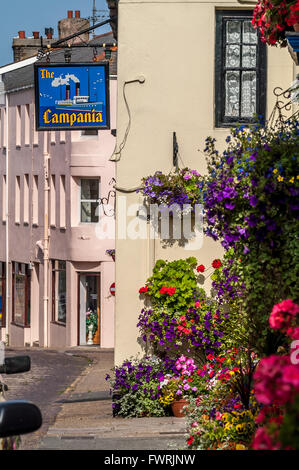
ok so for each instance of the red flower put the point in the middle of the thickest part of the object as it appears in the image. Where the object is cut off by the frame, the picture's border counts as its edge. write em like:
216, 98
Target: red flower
163, 290
216, 263
200, 268
190, 440
143, 290
171, 290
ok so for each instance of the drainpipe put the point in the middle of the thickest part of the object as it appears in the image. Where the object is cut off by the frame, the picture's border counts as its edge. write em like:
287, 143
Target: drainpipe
7, 284
46, 237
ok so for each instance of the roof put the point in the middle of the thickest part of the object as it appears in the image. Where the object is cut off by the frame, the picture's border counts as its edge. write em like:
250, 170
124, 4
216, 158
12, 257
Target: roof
23, 76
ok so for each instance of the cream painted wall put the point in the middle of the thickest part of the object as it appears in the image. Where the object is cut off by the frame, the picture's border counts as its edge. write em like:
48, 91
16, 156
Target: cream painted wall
171, 44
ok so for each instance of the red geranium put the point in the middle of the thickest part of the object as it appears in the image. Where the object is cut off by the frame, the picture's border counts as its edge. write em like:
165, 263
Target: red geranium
200, 268
143, 290
216, 263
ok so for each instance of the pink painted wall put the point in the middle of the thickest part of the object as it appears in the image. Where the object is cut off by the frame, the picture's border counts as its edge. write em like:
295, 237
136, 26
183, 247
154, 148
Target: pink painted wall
72, 156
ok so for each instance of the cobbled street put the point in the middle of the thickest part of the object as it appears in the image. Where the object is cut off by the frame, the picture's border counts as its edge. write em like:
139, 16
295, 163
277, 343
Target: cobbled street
51, 376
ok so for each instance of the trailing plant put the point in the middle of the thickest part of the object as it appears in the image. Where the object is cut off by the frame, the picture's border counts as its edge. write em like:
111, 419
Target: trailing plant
179, 187
251, 204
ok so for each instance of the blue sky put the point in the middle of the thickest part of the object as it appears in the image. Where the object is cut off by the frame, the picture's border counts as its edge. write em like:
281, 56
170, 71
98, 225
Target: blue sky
36, 15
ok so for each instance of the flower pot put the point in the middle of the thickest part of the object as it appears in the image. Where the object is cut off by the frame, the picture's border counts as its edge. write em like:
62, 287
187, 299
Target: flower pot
296, 27
177, 407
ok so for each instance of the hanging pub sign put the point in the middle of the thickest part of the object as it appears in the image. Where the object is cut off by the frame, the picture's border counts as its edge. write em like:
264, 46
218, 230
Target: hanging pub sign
72, 96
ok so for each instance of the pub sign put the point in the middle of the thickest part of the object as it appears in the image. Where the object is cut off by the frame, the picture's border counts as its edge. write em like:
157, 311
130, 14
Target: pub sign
72, 96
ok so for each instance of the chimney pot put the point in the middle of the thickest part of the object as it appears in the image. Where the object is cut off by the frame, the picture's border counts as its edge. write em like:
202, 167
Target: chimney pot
70, 13
35, 34
77, 14
22, 34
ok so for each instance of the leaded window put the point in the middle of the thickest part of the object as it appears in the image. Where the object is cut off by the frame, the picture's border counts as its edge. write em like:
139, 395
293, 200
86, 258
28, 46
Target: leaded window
240, 72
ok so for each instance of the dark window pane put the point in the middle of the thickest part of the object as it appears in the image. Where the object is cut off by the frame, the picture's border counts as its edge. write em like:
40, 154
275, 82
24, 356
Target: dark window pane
89, 212
20, 292
233, 31
249, 33
89, 188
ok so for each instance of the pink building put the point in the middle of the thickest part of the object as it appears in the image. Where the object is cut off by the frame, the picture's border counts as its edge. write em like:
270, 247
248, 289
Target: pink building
54, 187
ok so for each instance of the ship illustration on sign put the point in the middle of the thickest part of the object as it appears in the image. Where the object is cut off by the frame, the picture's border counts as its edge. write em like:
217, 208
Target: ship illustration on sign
78, 102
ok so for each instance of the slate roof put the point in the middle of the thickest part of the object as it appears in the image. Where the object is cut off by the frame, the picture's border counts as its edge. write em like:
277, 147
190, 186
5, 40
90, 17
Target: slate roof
24, 76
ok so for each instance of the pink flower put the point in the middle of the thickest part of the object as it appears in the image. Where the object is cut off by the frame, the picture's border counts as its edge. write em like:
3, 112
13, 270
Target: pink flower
262, 441
291, 376
282, 315
269, 384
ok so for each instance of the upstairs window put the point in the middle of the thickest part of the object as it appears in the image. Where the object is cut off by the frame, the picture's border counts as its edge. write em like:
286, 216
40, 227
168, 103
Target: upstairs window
240, 69
89, 200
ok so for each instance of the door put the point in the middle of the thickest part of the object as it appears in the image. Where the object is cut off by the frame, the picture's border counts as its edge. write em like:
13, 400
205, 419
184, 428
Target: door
89, 307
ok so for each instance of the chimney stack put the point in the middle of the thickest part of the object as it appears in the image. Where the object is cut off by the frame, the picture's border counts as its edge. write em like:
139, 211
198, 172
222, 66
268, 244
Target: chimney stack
73, 24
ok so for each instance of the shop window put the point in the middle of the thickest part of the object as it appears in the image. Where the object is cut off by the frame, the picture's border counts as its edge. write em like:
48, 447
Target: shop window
59, 291
240, 69
21, 294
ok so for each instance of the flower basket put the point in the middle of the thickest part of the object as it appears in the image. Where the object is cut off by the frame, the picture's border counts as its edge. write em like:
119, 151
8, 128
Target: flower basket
274, 19
178, 407
178, 188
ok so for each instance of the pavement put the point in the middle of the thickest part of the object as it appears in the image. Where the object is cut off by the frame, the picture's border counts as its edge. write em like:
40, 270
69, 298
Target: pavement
77, 408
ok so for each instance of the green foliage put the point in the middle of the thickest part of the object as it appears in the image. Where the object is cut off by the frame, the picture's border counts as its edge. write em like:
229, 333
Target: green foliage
180, 275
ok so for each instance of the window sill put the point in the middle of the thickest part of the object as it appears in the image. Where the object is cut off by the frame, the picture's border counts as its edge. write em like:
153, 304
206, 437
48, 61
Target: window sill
19, 325
58, 323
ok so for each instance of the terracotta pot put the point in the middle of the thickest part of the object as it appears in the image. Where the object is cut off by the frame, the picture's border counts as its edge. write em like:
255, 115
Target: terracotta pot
177, 407
296, 27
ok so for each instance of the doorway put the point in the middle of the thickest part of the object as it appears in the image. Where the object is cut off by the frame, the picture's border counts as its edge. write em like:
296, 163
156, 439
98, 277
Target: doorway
89, 307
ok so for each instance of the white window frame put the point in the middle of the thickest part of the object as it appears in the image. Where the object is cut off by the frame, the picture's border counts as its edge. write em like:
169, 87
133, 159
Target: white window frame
88, 200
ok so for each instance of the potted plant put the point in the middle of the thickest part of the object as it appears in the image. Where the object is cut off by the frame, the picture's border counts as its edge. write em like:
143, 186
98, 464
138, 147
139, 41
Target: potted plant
273, 18
177, 390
